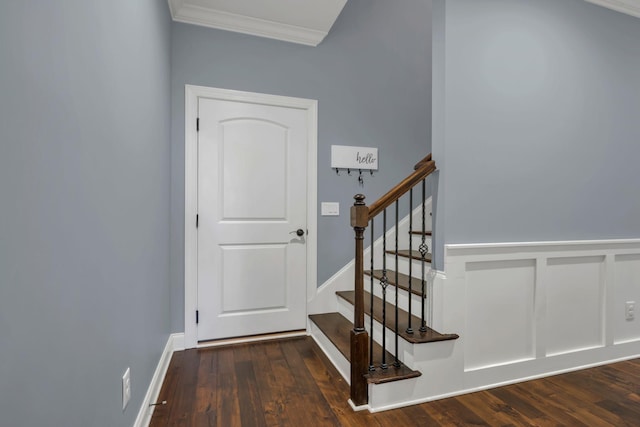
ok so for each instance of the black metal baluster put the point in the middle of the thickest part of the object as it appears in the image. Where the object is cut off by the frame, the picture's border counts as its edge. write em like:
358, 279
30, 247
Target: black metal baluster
371, 366
423, 252
384, 282
409, 328
397, 363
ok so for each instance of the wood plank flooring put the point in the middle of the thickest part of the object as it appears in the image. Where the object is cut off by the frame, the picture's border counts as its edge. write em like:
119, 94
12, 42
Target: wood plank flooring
291, 383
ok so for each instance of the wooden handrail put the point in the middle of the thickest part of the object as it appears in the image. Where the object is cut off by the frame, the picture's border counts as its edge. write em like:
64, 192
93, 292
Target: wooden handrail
422, 162
396, 192
361, 215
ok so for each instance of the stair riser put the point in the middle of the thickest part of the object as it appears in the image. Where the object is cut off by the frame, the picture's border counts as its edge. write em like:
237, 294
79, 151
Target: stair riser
403, 265
339, 361
405, 349
403, 300
416, 241
403, 242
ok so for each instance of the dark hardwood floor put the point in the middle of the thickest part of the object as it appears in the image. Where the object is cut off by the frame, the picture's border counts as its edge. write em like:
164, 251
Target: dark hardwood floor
292, 383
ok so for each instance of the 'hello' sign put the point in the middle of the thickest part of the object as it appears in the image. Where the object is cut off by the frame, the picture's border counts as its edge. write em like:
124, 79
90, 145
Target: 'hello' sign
345, 157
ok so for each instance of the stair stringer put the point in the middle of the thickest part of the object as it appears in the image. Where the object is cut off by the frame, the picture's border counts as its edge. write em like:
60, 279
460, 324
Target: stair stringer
323, 300
441, 363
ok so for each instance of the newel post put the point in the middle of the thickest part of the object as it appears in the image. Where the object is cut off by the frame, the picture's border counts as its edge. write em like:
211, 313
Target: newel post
359, 335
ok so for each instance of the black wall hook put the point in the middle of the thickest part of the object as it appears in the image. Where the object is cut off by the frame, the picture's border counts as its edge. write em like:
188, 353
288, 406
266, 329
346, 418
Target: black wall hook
360, 173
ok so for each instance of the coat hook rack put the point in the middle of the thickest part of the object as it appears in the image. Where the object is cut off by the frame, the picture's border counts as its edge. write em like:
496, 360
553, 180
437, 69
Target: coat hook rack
361, 173
354, 159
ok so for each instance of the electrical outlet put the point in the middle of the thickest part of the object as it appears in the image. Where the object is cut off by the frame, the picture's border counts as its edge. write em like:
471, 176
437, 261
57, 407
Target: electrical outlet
630, 310
126, 388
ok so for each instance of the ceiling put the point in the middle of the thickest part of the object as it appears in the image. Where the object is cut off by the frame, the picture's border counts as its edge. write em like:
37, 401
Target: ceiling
630, 7
299, 21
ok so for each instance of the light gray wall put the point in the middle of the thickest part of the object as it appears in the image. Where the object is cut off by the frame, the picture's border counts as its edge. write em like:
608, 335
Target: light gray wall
372, 78
84, 216
540, 121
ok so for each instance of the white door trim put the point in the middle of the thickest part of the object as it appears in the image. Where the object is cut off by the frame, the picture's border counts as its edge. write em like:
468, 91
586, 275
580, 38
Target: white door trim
192, 93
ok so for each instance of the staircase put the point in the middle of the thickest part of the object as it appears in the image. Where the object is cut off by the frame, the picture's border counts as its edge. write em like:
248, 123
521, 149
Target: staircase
376, 337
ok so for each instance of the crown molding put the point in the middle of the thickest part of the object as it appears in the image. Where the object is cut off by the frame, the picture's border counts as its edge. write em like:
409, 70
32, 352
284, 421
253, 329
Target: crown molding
181, 11
630, 7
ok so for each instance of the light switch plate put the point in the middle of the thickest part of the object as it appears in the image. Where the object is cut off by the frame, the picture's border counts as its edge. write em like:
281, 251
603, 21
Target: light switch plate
330, 209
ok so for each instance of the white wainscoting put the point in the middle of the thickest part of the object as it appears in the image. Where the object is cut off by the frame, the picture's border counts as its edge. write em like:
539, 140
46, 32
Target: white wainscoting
627, 288
491, 340
529, 309
523, 311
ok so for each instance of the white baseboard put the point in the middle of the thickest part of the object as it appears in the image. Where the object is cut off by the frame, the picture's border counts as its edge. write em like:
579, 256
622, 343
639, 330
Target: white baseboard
174, 343
358, 408
178, 341
498, 384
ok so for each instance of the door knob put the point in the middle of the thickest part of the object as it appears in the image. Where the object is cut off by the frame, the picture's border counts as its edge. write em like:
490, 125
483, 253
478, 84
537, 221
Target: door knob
299, 232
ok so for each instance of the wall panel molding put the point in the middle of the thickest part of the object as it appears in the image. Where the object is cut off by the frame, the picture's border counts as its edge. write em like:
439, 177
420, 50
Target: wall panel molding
530, 303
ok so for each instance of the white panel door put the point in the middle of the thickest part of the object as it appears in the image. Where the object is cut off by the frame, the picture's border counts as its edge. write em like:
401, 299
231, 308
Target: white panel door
252, 198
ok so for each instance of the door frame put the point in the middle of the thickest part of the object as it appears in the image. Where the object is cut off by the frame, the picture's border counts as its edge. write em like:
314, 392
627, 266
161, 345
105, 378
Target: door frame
192, 96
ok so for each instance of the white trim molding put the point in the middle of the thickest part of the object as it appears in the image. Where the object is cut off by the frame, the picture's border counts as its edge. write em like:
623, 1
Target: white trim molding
192, 95
630, 7
523, 310
174, 343
213, 17
529, 309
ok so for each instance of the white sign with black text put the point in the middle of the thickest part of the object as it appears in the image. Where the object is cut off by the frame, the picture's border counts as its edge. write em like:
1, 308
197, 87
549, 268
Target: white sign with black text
346, 157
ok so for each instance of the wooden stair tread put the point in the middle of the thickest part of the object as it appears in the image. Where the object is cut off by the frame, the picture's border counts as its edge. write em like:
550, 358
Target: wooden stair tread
417, 337
403, 281
335, 327
338, 330
420, 232
405, 253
